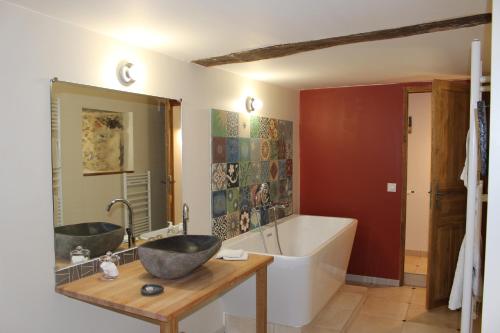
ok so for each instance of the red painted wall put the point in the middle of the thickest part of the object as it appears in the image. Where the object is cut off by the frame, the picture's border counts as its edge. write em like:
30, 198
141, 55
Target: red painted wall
350, 146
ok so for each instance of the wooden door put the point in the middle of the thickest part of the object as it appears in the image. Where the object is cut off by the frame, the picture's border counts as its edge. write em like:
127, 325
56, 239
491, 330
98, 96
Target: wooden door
450, 122
169, 160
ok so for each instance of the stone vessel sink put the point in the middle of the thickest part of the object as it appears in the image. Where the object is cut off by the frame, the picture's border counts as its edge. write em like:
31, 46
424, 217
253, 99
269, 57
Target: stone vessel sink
98, 237
177, 256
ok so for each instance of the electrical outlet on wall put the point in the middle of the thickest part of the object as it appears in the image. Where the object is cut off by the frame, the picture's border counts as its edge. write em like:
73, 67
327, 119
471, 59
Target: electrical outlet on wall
391, 187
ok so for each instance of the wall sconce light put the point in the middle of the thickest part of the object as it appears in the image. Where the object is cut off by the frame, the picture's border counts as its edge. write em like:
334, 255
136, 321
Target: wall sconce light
125, 73
253, 104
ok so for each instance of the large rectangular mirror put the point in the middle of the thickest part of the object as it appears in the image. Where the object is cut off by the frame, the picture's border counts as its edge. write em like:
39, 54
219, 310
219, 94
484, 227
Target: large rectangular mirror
109, 145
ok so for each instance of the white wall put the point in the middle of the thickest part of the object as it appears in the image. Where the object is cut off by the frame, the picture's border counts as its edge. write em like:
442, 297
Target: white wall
34, 48
419, 172
491, 299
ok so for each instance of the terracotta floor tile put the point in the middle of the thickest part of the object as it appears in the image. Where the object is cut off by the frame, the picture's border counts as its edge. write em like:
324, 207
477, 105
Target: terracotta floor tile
316, 329
345, 300
410, 327
383, 307
395, 294
418, 297
422, 266
351, 288
370, 324
412, 260
440, 316
333, 318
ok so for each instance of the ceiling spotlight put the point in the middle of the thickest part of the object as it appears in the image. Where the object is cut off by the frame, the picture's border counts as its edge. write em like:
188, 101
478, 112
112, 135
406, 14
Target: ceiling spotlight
125, 73
253, 104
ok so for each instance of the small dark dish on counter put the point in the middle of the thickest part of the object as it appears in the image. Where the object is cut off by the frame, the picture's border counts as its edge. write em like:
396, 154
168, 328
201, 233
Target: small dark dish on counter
177, 256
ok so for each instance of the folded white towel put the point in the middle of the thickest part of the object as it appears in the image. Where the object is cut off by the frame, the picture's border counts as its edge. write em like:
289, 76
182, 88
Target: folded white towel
229, 254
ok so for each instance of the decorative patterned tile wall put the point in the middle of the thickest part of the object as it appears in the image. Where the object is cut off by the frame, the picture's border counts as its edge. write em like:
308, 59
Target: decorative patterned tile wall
247, 151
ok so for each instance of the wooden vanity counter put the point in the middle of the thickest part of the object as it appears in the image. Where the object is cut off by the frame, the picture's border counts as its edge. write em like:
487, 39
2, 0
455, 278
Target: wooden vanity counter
180, 298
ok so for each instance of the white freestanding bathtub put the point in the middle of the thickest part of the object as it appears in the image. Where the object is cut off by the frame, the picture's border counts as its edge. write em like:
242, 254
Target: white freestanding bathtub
313, 267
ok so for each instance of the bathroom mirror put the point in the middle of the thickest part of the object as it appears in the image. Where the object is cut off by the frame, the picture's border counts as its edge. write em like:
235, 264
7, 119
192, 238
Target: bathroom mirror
108, 145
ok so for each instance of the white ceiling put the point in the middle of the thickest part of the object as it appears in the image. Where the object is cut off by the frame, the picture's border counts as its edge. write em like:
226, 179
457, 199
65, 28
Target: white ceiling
194, 29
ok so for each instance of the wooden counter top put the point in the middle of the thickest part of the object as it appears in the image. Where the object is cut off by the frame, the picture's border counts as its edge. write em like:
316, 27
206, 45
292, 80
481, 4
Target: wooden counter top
180, 297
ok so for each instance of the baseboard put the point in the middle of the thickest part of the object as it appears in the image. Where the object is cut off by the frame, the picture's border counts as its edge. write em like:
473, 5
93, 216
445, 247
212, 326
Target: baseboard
416, 253
362, 279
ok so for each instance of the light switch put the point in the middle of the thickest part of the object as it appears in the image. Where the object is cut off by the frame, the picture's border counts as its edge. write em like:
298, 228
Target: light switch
391, 187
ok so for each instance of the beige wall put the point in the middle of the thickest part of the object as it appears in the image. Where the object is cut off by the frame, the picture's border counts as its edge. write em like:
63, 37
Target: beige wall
419, 172
35, 48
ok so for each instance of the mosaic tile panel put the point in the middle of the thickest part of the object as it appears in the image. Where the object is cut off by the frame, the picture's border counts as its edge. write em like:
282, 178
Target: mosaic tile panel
274, 191
265, 149
281, 148
254, 127
248, 150
232, 175
289, 168
245, 201
255, 173
254, 219
274, 150
232, 124
264, 171
232, 199
244, 149
273, 129
219, 203
245, 177
218, 150
273, 170
233, 224
219, 176
232, 150
219, 123
220, 227
282, 169
255, 149
264, 128
244, 222
244, 125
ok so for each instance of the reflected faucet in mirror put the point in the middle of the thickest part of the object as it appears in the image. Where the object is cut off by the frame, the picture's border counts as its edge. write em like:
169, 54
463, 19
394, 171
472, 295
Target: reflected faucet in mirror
185, 218
131, 239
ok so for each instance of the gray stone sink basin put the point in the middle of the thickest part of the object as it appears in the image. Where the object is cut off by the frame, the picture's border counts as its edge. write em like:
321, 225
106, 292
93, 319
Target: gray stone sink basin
177, 256
98, 237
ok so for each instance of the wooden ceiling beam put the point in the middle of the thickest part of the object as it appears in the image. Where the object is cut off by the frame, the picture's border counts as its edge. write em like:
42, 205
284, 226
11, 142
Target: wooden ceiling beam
283, 50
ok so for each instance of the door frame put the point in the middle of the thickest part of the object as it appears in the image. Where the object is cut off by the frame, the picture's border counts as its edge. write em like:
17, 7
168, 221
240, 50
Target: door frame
404, 170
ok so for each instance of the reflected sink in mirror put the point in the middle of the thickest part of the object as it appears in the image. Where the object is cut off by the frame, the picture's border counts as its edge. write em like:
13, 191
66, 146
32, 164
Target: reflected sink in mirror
97, 237
177, 256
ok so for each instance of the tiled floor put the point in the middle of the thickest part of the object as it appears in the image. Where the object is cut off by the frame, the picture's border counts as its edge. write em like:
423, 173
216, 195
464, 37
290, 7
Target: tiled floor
402, 310
415, 264
357, 309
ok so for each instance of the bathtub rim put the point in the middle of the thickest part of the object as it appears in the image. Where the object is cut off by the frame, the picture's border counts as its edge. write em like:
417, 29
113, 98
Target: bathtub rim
250, 233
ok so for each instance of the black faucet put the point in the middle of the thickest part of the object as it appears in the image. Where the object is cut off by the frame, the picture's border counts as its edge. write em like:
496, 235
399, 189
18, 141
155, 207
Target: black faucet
185, 218
131, 240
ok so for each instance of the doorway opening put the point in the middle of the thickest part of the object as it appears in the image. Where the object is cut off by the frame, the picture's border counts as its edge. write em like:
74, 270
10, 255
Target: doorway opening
444, 195
418, 185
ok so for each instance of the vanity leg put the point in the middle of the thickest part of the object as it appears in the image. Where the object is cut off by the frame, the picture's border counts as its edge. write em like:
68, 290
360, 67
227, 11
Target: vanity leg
171, 326
261, 298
